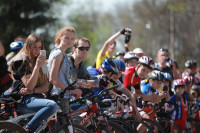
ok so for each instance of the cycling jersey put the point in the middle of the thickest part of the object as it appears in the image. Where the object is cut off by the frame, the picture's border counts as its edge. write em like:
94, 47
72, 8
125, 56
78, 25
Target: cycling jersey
95, 72
180, 114
147, 89
131, 79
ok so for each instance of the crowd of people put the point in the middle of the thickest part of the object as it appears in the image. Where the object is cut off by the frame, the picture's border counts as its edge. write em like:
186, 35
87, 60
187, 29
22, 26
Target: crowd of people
135, 73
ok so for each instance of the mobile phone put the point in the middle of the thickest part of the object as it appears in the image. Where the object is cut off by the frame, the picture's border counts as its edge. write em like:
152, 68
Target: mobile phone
165, 88
43, 52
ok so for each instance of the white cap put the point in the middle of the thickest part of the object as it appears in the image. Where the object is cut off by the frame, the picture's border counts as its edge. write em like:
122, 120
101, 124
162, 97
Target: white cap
138, 50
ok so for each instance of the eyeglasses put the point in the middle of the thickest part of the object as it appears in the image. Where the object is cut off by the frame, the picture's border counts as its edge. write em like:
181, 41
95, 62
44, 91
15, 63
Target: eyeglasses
83, 48
164, 49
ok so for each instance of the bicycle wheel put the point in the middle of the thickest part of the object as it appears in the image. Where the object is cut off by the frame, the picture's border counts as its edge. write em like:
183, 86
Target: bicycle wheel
9, 127
155, 126
114, 128
76, 129
140, 126
124, 125
168, 125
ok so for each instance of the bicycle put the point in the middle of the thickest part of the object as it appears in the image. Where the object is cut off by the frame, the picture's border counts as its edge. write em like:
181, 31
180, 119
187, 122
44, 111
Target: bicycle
58, 122
95, 120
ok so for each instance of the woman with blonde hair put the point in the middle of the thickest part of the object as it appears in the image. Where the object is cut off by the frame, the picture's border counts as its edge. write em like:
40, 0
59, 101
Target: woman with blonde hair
31, 82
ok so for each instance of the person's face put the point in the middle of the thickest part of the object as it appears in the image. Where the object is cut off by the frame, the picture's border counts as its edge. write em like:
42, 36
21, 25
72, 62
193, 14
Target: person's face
155, 84
36, 49
180, 90
188, 88
67, 39
162, 55
120, 57
132, 62
82, 49
112, 47
142, 71
166, 83
139, 54
114, 77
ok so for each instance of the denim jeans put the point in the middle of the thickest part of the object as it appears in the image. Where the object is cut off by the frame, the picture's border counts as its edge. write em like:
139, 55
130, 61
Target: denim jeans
44, 108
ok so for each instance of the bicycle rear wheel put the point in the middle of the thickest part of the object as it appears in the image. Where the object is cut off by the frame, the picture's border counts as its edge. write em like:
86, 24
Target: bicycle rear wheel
9, 127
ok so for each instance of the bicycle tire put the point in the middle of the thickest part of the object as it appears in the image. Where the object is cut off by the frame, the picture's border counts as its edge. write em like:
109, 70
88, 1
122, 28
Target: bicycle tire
156, 127
9, 127
135, 124
115, 128
64, 129
124, 125
167, 124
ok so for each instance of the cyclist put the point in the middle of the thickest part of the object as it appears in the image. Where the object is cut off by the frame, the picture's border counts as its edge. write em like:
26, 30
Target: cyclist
110, 69
191, 70
155, 82
179, 115
188, 80
109, 47
135, 74
131, 60
15, 48
31, 82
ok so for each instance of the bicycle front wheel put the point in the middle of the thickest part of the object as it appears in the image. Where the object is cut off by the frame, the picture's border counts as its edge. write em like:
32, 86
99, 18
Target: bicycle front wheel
9, 127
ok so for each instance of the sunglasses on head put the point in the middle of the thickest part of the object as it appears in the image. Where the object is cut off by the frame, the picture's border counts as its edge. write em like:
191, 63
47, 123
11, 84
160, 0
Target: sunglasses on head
164, 49
83, 48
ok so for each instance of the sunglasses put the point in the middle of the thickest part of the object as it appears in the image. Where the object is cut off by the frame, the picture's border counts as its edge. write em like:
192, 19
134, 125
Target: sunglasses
83, 48
164, 49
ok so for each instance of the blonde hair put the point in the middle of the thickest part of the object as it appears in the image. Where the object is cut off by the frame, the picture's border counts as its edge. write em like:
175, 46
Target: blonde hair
27, 54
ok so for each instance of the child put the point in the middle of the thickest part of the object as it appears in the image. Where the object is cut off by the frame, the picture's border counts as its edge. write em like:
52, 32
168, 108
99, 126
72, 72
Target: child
179, 115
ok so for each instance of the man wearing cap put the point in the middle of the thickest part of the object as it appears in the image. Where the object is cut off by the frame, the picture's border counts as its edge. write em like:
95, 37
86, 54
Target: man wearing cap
139, 52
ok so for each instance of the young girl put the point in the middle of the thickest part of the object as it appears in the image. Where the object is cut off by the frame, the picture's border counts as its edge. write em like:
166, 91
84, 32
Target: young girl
26, 70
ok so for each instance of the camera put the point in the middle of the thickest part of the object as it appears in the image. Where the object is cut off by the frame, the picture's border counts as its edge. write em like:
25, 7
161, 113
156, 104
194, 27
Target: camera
167, 59
165, 88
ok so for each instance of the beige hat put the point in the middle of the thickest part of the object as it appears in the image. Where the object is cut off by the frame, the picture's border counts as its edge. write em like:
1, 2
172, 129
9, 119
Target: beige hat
138, 50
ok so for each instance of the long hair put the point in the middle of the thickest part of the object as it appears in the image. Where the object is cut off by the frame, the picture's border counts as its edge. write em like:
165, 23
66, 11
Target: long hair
27, 54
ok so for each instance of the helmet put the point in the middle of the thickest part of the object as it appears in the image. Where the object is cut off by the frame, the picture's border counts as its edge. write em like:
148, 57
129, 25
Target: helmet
178, 82
196, 88
129, 56
119, 53
110, 65
156, 75
190, 63
147, 61
121, 64
187, 79
15, 46
167, 76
